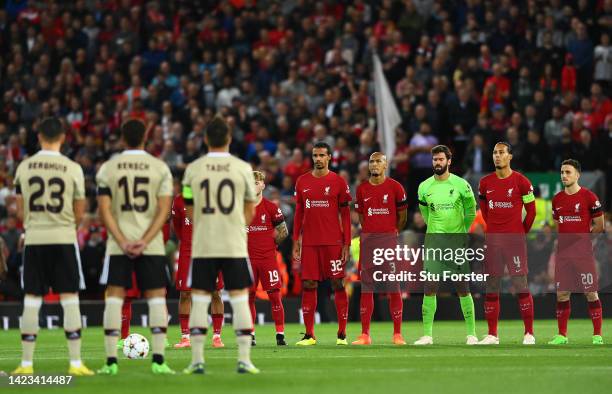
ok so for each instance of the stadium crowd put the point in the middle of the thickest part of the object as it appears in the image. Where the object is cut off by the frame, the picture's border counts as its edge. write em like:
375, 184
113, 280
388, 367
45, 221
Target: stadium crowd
465, 73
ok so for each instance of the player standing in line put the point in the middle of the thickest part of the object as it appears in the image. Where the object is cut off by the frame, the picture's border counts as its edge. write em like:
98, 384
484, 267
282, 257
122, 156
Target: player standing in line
448, 207
574, 209
267, 230
219, 193
502, 196
134, 198
381, 204
50, 192
321, 238
183, 230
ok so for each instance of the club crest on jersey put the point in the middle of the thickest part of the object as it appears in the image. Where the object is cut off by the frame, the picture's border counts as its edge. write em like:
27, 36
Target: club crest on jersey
510, 192
263, 218
327, 190
385, 198
577, 207
451, 191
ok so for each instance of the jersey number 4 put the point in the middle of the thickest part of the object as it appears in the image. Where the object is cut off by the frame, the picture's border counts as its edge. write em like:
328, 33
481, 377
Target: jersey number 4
56, 187
225, 209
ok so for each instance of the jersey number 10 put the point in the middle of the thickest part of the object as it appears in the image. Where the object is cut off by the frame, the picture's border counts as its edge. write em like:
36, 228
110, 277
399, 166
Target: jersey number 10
225, 209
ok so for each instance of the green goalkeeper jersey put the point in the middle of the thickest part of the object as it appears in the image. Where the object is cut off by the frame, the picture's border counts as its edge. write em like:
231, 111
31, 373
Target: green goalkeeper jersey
448, 206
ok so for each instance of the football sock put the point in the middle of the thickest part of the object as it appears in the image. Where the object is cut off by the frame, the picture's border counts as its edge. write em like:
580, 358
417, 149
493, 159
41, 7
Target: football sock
243, 324
309, 307
112, 324
563, 313
278, 312
491, 306
341, 301
252, 308
429, 312
217, 321
158, 321
525, 301
72, 327
184, 322
126, 317
596, 316
396, 307
198, 326
29, 328
366, 307
467, 307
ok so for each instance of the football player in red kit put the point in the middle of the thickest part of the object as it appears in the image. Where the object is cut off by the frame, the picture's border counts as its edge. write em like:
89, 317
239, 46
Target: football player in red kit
321, 239
578, 213
381, 204
503, 194
267, 230
183, 231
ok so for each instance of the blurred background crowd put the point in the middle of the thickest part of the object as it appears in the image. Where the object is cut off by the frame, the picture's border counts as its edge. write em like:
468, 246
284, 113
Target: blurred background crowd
466, 73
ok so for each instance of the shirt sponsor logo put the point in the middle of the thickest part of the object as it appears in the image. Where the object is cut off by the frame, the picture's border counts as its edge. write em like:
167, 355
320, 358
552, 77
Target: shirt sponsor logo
500, 204
378, 211
317, 203
565, 219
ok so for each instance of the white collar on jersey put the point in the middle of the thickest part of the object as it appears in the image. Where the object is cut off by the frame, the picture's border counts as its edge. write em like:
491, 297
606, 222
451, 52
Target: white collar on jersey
218, 154
48, 152
134, 152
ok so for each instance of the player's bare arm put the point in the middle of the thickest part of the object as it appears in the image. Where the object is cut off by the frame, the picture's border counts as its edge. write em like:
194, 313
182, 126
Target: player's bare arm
249, 212
599, 225
280, 233
78, 207
20, 211
402, 219
104, 208
164, 203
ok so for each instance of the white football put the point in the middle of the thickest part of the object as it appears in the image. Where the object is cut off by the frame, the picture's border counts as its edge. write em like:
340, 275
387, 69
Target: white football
135, 346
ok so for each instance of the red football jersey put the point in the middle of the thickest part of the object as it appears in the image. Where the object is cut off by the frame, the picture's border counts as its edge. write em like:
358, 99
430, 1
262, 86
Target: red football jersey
261, 230
182, 227
574, 214
320, 200
505, 199
379, 205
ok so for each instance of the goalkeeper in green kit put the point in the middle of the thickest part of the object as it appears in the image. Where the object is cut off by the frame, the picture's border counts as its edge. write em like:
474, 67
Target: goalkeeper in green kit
448, 207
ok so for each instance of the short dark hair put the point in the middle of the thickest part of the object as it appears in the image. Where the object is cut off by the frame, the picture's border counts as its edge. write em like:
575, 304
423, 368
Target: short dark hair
51, 129
572, 162
323, 144
442, 149
217, 132
506, 144
133, 132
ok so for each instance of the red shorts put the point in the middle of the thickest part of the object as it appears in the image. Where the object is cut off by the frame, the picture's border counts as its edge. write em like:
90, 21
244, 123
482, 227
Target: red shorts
576, 275
322, 262
266, 271
182, 273
506, 252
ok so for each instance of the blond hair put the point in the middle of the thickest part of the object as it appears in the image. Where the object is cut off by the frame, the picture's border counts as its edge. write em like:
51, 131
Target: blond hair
259, 176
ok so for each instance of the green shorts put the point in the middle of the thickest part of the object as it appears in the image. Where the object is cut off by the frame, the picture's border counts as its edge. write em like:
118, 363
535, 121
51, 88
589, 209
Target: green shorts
446, 252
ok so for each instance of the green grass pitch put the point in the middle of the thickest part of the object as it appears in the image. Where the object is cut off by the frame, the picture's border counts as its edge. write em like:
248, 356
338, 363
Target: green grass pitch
448, 366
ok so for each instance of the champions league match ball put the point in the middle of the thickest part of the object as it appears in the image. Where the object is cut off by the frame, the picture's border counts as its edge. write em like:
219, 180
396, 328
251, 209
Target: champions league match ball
135, 347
